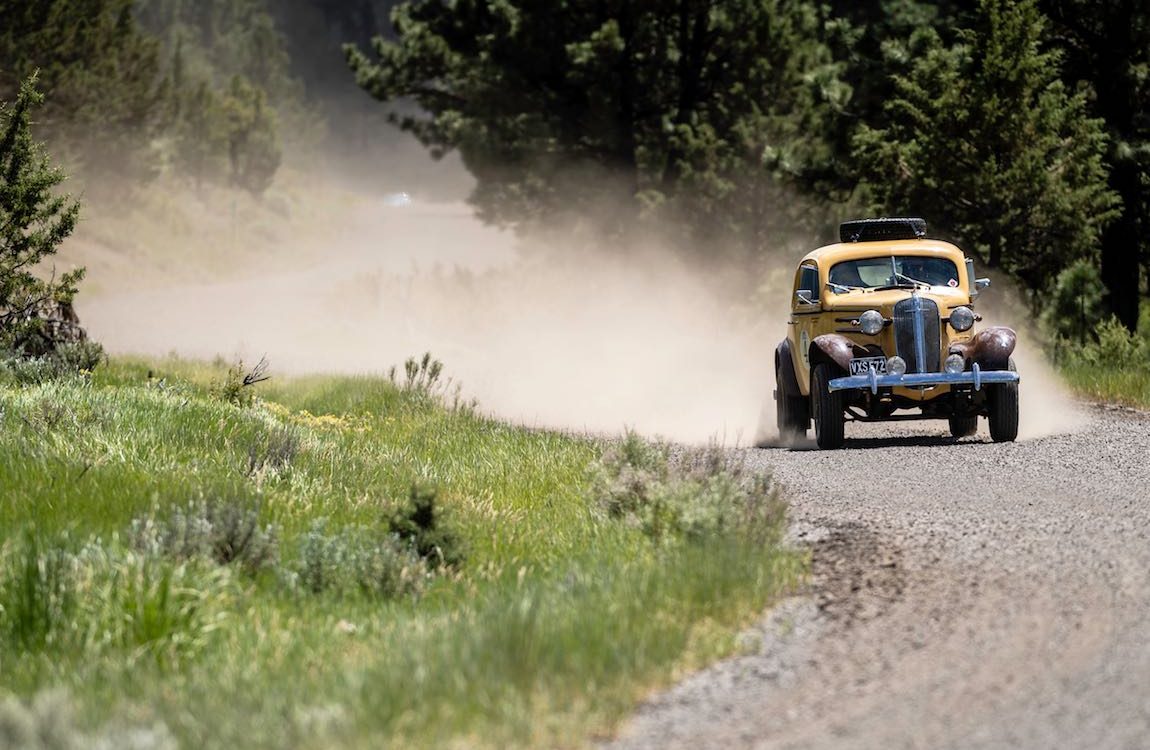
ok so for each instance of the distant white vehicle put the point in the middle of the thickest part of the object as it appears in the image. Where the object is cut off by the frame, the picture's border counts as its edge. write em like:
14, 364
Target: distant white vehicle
397, 200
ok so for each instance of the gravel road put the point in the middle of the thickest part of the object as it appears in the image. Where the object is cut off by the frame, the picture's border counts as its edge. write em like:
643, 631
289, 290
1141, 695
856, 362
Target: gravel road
964, 594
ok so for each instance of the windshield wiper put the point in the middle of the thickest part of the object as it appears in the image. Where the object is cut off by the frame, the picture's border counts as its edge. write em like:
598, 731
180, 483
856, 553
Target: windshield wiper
904, 282
916, 282
840, 288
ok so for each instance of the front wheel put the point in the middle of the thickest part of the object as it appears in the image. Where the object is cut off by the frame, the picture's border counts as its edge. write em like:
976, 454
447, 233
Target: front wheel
826, 409
1003, 415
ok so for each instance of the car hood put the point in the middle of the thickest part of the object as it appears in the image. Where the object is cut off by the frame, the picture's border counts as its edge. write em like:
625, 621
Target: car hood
885, 300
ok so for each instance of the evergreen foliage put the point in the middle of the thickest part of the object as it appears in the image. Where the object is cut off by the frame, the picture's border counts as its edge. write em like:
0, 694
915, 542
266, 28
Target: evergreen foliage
34, 219
702, 111
99, 71
1107, 47
250, 133
983, 137
219, 39
1076, 303
136, 85
227, 72
874, 43
1019, 129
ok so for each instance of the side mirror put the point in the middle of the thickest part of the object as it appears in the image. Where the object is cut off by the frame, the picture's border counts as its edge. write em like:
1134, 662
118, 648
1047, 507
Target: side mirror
804, 297
976, 285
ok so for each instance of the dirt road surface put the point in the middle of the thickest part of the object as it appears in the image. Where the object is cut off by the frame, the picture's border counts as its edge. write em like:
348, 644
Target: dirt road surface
964, 595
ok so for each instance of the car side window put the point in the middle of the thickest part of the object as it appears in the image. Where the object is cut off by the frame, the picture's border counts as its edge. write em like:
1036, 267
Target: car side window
809, 279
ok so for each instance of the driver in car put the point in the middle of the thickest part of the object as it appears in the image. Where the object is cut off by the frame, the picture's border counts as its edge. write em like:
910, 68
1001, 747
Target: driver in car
844, 277
919, 270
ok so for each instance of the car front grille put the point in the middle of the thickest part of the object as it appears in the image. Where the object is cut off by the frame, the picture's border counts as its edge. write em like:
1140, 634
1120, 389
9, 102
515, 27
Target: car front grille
917, 333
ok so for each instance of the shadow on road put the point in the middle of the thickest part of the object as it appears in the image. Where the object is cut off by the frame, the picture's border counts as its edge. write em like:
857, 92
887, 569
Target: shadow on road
870, 443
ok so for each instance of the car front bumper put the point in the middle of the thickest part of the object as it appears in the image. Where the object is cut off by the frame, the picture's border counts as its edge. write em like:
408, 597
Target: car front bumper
974, 377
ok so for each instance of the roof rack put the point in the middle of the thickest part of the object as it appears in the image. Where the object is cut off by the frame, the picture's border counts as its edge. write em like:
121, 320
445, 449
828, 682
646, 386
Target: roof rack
877, 230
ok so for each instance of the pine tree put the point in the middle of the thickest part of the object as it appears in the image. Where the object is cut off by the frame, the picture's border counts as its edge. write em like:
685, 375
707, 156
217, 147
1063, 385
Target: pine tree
250, 133
983, 139
701, 110
34, 220
1107, 47
99, 71
228, 73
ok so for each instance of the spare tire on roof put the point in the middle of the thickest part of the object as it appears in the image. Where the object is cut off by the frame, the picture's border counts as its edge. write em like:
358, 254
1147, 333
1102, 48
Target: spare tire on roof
873, 230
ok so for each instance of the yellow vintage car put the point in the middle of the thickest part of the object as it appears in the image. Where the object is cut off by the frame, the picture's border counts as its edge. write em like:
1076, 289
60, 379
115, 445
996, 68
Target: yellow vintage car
883, 328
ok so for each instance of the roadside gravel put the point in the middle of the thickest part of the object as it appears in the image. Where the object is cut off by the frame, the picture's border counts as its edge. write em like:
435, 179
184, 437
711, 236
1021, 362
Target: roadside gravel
964, 595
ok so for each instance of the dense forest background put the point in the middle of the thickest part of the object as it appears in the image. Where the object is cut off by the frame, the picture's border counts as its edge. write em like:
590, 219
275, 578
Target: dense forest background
1020, 129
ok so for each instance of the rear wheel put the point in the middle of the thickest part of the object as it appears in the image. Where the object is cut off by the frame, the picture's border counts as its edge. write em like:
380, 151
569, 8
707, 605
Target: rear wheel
963, 426
790, 411
791, 417
1003, 416
826, 409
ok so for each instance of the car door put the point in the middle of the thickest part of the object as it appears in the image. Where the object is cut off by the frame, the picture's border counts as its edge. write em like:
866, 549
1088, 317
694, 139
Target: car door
804, 315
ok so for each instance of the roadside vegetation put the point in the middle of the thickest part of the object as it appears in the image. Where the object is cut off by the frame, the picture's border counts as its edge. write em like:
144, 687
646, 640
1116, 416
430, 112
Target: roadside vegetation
350, 561
1111, 364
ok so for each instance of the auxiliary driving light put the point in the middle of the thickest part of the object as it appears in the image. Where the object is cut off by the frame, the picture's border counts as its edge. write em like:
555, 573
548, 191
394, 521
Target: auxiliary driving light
896, 366
871, 322
955, 363
961, 318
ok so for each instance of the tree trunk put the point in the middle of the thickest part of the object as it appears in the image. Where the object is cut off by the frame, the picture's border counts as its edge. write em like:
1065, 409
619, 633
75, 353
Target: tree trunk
627, 158
994, 259
1121, 267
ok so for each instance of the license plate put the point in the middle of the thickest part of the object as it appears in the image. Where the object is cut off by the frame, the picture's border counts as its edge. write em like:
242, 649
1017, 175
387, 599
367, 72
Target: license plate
862, 365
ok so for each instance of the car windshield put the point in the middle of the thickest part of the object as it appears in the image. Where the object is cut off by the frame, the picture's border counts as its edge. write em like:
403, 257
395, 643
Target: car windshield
892, 271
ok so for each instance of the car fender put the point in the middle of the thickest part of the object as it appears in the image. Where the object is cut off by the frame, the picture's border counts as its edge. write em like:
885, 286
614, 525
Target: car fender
990, 348
836, 349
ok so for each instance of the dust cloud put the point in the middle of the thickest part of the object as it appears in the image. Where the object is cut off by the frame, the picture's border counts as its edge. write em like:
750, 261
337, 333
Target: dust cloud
561, 333
565, 336
1046, 405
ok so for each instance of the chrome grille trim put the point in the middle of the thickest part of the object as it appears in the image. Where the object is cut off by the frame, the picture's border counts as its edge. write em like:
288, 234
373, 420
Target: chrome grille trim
917, 329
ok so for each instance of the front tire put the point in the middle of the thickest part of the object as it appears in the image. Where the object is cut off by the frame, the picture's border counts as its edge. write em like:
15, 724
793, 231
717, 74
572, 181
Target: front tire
826, 409
1003, 416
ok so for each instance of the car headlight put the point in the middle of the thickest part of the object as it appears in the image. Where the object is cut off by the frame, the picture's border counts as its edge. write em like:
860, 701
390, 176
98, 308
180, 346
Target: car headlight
961, 318
896, 366
871, 322
954, 364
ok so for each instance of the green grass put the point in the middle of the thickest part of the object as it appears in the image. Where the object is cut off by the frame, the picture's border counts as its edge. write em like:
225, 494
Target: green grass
1114, 367
558, 620
1122, 385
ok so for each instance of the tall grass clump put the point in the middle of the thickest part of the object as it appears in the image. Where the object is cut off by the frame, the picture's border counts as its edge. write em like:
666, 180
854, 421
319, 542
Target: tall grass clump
422, 380
38, 596
1113, 366
99, 599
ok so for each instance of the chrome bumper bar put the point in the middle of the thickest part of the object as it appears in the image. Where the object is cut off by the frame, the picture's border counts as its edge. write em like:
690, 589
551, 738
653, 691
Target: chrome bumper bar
973, 377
